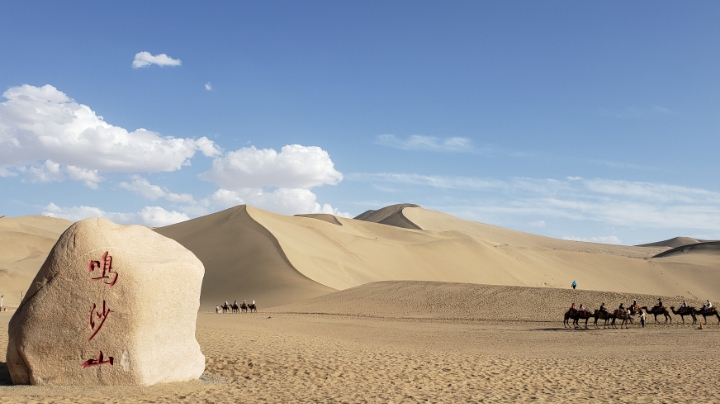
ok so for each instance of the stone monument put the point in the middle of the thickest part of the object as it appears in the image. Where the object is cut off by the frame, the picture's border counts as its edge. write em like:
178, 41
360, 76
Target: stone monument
111, 305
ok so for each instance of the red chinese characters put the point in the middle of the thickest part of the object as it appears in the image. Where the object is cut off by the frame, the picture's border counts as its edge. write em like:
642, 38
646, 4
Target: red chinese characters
107, 275
99, 361
101, 316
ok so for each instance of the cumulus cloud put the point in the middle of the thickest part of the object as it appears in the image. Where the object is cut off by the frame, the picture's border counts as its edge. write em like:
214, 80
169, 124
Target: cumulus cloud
153, 192
295, 166
288, 201
145, 59
44, 124
153, 216
208, 86
430, 143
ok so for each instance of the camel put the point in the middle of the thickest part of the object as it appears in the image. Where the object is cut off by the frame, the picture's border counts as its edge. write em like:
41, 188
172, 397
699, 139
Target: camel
568, 315
623, 315
235, 307
252, 307
602, 315
686, 311
225, 307
634, 309
581, 315
658, 310
244, 307
709, 312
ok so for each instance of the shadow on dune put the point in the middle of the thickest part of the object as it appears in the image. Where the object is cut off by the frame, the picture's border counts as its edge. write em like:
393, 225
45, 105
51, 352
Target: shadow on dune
5, 375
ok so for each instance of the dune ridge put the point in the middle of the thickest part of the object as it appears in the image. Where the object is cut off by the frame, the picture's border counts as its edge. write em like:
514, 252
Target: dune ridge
673, 242
242, 260
275, 259
390, 215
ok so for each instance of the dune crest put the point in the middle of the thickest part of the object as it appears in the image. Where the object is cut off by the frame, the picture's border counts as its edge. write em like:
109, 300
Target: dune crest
390, 215
242, 260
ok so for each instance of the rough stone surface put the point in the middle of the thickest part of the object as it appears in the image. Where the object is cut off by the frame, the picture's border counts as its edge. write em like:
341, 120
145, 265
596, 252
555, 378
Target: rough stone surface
137, 304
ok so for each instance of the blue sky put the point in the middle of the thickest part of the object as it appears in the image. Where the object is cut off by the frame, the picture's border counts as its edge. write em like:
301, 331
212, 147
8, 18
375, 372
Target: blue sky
593, 121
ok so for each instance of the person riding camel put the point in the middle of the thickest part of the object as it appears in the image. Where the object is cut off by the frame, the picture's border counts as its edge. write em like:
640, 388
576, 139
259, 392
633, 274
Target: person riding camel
573, 308
683, 306
707, 306
603, 308
635, 306
621, 308
660, 303
582, 308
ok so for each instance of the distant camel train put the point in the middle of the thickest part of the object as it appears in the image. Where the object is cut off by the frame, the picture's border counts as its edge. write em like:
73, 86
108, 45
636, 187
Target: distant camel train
244, 307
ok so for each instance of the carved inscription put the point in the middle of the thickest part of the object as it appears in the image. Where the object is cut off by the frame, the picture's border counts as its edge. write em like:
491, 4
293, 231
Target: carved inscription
108, 276
99, 361
101, 316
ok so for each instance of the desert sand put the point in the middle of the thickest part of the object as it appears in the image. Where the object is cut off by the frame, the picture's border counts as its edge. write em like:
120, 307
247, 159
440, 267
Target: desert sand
25, 242
404, 304
395, 349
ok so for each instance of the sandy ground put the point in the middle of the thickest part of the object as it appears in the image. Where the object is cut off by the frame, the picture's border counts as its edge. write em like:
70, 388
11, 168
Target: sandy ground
323, 358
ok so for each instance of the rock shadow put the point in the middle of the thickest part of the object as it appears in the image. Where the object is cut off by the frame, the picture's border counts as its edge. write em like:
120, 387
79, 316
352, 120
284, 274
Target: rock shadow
5, 379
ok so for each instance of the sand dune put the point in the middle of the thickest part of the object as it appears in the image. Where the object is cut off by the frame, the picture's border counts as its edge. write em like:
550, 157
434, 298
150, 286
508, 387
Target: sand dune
673, 242
710, 247
390, 215
275, 259
466, 302
25, 243
242, 260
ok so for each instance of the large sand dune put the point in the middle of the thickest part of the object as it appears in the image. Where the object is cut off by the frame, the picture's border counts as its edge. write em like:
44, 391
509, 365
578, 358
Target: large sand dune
275, 259
25, 243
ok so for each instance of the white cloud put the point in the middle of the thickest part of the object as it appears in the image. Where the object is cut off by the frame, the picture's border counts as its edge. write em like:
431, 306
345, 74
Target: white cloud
288, 201
601, 239
153, 192
5, 172
89, 177
145, 59
537, 223
44, 124
295, 166
431, 143
153, 216
208, 86
621, 203
46, 172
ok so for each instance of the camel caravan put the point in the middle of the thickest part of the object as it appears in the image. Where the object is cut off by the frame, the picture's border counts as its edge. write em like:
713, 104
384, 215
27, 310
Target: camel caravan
244, 307
626, 314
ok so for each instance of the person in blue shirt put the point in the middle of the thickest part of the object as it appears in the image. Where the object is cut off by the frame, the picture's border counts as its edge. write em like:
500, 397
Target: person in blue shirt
574, 284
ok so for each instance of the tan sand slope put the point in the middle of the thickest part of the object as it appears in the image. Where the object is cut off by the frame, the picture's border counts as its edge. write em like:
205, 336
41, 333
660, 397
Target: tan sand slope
710, 247
391, 215
323, 216
25, 242
467, 302
275, 259
673, 242
449, 249
242, 260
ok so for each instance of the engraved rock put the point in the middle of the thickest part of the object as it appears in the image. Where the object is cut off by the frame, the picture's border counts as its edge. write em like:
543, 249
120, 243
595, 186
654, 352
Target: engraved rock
111, 305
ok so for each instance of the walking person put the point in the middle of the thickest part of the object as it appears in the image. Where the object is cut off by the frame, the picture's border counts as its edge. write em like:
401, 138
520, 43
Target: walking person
574, 284
642, 317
